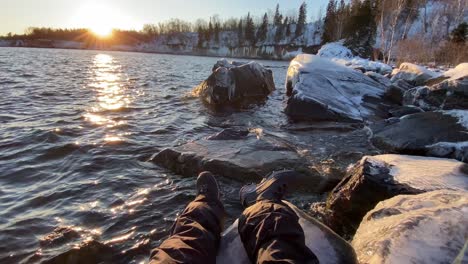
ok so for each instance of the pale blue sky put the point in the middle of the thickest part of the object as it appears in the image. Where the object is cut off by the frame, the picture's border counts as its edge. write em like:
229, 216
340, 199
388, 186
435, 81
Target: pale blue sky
17, 15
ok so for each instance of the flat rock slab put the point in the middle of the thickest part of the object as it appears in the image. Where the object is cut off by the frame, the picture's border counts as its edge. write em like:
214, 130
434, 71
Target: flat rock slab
440, 134
377, 178
248, 158
425, 228
326, 245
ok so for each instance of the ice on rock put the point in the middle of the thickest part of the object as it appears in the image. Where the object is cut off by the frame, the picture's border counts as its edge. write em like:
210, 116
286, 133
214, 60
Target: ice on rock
321, 89
424, 228
424, 173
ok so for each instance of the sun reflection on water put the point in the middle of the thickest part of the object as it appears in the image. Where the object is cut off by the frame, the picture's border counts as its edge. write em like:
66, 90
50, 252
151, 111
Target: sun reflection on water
112, 95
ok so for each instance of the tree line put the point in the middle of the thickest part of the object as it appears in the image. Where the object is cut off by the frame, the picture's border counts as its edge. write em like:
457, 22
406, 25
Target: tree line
386, 24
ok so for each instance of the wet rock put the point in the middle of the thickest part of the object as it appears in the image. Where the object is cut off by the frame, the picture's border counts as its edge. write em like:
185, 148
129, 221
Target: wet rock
236, 85
413, 74
416, 134
405, 110
92, 252
425, 228
246, 159
378, 178
326, 245
321, 90
229, 134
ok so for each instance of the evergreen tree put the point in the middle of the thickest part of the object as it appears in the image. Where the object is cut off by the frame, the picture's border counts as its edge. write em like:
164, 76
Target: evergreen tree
329, 24
263, 30
201, 35
278, 17
209, 32
301, 21
240, 32
361, 29
460, 34
217, 29
287, 25
250, 30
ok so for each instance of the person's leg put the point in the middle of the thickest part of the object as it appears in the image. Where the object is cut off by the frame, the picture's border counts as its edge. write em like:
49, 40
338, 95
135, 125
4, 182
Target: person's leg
269, 229
196, 234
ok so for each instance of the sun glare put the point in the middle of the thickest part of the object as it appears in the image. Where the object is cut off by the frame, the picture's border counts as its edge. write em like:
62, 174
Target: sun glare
101, 19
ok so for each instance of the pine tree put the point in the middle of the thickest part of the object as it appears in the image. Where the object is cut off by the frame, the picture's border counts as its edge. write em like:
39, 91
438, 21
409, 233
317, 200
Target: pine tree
329, 24
250, 30
209, 32
201, 35
278, 17
361, 28
287, 25
217, 29
460, 33
301, 21
240, 32
263, 30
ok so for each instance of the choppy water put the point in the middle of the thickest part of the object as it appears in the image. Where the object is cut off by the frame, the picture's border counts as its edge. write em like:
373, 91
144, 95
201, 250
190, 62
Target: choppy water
77, 128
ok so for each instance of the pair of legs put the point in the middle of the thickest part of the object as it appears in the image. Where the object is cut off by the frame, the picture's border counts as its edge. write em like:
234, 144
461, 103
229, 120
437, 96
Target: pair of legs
268, 228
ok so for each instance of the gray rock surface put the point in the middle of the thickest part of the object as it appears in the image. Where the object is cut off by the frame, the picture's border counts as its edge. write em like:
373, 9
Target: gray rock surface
425, 228
246, 158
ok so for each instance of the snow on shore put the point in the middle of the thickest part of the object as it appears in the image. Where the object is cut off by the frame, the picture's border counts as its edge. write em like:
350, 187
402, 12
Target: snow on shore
342, 55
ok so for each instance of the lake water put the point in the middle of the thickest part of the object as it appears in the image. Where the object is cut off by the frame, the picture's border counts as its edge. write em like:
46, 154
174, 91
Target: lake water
77, 129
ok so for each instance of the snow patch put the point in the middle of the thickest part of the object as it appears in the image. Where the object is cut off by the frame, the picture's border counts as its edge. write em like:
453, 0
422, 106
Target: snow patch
461, 71
337, 52
462, 116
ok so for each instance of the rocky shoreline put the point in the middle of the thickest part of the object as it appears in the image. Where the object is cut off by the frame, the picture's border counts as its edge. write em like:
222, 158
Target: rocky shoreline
409, 147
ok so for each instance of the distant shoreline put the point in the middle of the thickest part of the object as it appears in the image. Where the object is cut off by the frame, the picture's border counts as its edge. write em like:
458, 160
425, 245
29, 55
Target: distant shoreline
196, 54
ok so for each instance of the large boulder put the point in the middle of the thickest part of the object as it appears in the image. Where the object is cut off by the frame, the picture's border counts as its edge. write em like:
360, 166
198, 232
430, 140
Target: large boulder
450, 91
321, 90
425, 228
378, 178
236, 85
326, 245
414, 74
440, 134
241, 156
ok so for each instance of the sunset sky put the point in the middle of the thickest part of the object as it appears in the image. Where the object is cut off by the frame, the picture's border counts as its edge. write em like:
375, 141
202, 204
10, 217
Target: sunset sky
17, 15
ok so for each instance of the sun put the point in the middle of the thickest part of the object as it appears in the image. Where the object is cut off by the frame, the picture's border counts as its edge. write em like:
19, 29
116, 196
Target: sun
102, 18
98, 18
101, 30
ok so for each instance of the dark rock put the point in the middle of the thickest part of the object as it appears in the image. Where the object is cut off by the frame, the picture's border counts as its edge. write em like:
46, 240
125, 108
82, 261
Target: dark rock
92, 252
247, 159
446, 94
415, 134
229, 134
395, 94
236, 85
379, 78
321, 90
405, 110
378, 178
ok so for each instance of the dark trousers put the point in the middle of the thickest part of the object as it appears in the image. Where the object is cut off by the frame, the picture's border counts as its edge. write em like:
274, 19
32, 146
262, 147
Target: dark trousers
269, 230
